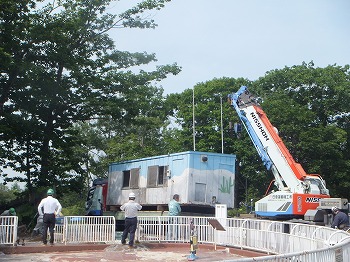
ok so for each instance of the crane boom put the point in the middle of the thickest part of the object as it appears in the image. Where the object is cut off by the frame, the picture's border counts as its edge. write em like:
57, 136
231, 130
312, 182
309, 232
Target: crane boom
297, 191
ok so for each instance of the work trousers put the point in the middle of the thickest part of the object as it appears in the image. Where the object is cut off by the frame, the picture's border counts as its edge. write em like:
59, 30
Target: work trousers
49, 223
173, 228
130, 228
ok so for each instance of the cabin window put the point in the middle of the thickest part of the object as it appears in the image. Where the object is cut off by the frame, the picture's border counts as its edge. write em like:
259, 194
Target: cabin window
131, 178
161, 175
126, 178
134, 178
157, 176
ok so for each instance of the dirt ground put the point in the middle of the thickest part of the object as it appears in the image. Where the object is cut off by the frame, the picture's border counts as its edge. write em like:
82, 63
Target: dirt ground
171, 252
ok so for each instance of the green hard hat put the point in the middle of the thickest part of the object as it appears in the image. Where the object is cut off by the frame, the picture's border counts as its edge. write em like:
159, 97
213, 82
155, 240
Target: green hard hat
12, 211
50, 192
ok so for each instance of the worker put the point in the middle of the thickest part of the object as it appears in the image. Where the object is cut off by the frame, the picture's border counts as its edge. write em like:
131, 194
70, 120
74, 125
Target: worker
174, 206
131, 209
340, 219
174, 210
9, 212
49, 207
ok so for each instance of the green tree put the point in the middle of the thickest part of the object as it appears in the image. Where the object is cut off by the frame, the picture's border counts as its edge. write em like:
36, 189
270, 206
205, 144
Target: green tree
206, 110
73, 203
208, 98
7, 195
310, 107
142, 136
62, 68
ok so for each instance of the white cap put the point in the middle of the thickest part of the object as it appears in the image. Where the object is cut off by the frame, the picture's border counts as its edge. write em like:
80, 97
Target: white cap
334, 209
132, 195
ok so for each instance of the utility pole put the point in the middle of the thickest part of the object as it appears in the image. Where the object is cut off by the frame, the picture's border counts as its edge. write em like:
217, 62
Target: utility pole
222, 129
193, 119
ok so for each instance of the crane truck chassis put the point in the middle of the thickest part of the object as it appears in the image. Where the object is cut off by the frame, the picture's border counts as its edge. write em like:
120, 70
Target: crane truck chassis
299, 195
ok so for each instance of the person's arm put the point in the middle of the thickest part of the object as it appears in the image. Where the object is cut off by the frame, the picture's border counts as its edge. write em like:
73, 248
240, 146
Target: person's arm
335, 222
59, 208
40, 208
178, 207
122, 208
5, 213
139, 207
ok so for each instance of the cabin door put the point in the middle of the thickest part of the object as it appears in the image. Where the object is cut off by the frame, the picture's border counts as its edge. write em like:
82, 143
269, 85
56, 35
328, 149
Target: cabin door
199, 192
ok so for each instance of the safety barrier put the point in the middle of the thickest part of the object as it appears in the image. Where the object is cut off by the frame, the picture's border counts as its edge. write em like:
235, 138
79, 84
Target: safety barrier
281, 241
8, 230
88, 229
285, 240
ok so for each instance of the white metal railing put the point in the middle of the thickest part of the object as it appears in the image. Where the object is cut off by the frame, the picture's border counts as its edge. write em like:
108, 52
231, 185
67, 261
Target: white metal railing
88, 229
282, 241
59, 230
287, 241
8, 229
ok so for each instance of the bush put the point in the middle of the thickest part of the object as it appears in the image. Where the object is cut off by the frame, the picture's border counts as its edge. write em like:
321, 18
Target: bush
73, 204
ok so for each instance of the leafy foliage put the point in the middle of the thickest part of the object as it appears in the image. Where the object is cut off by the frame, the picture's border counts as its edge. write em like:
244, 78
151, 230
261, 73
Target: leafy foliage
61, 70
310, 107
73, 203
208, 99
7, 195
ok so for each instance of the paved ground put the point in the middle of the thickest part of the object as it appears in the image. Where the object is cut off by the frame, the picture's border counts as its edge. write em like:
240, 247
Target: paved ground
105, 253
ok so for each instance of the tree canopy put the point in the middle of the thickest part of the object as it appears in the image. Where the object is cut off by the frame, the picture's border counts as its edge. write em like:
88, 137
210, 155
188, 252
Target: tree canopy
308, 105
60, 69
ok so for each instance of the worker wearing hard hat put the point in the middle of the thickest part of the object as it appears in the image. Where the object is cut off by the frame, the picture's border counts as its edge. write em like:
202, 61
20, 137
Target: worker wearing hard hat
340, 220
9, 212
131, 209
49, 207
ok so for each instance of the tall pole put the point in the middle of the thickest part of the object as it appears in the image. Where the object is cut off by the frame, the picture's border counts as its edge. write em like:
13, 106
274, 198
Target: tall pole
193, 119
222, 129
246, 194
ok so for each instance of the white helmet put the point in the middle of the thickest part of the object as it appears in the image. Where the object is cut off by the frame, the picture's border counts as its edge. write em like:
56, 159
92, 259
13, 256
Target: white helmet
334, 209
132, 195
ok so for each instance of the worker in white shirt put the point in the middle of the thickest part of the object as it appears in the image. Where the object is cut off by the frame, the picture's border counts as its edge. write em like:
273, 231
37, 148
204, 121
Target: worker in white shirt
131, 209
48, 208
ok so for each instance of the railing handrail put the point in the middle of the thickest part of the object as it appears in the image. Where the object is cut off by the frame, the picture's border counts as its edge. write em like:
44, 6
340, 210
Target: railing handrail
301, 242
8, 229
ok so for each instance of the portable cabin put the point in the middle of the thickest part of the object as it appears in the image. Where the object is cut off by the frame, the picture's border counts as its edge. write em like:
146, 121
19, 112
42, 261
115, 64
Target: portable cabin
202, 179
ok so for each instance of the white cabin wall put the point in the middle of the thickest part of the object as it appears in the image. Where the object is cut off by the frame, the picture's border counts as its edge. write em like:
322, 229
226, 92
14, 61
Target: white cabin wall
115, 182
185, 170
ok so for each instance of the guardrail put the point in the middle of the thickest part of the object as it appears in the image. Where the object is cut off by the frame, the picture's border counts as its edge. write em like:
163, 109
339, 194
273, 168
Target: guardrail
281, 241
285, 240
88, 229
8, 229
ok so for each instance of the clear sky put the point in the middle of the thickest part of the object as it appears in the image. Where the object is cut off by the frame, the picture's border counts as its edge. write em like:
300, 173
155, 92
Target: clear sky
241, 38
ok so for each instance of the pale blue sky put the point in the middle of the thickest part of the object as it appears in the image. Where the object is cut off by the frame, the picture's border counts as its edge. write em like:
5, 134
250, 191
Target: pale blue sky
241, 38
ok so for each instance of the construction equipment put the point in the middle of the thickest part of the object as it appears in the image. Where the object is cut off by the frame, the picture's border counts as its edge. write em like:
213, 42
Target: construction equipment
298, 193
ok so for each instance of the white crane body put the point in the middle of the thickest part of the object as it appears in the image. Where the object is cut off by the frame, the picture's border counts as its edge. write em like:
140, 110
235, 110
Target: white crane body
297, 192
